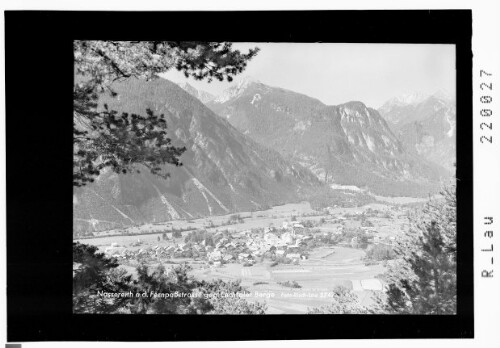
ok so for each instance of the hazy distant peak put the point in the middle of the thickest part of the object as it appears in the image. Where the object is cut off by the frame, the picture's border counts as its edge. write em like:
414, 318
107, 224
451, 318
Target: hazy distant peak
185, 84
199, 94
248, 79
415, 98
408, 98
443, 94
236, 90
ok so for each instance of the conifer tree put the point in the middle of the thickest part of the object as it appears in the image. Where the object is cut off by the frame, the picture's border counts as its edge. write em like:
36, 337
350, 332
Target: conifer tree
94, 272
423, 280
343, 301
122, 141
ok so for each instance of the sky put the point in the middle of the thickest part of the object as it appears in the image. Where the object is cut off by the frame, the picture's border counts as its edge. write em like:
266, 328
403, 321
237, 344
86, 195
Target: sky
336, 73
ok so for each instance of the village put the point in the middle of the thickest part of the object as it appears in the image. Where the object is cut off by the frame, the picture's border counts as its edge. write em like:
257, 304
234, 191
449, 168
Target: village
286, 244
292, 252
244, 247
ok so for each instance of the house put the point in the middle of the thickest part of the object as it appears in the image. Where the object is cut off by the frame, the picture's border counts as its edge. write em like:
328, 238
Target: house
221, 243
253, 247
287, 238
215, 255
270, 237
232, 245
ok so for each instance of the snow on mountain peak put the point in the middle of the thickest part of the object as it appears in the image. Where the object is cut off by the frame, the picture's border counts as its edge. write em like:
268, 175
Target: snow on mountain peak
202, 95
444, 95
409, 98
236, 90
186, 86
416, 98
247, 80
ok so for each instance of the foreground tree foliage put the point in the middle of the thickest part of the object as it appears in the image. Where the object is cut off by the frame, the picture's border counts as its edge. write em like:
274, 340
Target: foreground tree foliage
423, 279
344, 301
93, 272
230, 305
162, 281
380, 252
121, 141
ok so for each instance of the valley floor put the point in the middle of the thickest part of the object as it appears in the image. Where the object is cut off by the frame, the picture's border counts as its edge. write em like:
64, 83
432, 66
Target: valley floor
325, 268
317, 276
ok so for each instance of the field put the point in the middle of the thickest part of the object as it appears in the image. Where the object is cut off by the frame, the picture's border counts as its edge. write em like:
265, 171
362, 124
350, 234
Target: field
325, 268
317, 276
257, 219
260, 219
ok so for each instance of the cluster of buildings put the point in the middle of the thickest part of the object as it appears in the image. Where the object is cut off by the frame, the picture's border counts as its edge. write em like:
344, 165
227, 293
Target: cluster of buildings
287, 242
245, 247
241, 247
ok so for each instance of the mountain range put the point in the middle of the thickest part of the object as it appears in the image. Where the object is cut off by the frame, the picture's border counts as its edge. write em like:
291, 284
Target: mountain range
426, 125
202, 96
223, 170
346, 144
252, 147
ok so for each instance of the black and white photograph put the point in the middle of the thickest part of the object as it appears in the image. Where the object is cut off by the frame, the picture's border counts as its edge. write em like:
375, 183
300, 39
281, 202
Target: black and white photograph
264, 178
229, 175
